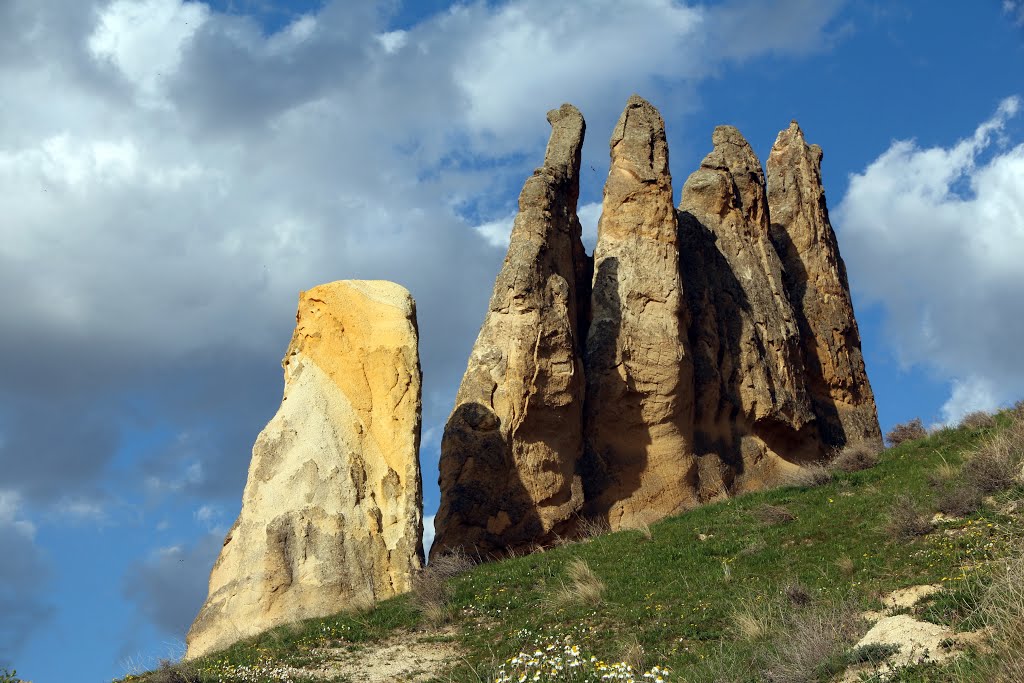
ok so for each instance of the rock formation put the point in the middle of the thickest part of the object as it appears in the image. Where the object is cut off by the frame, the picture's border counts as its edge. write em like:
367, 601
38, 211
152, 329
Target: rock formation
331, 513
639, 414
815, 279
753, 415
510, 448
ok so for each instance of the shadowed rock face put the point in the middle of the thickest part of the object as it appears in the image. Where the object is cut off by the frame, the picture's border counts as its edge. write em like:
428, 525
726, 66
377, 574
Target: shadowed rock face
638, 465
752, 408
331, 513
815, 280
508, 468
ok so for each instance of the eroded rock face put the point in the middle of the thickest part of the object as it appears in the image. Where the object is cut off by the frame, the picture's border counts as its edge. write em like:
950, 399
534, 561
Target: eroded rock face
331, 513
639, 464
510, 448
816, 282
753, 416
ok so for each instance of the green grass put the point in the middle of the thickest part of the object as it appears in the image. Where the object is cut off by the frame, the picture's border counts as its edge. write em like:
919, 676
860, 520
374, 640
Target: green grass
674, 600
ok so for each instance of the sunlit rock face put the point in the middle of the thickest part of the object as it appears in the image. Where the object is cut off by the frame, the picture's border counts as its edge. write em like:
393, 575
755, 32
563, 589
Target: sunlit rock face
753, 416
332, 510
817, 286
639, 463
508, 468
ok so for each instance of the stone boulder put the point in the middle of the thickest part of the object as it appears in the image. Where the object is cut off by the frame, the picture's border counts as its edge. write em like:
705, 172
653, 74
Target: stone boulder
753, 416
510, 448
638, 465
817, 286
331, 512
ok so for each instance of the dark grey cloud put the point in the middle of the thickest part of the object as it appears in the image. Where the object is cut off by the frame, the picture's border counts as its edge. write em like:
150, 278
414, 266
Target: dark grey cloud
24, 610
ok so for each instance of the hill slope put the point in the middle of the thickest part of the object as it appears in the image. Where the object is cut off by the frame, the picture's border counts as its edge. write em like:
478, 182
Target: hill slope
772, 586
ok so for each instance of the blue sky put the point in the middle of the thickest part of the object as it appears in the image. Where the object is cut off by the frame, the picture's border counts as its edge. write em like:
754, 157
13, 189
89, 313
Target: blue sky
172, 174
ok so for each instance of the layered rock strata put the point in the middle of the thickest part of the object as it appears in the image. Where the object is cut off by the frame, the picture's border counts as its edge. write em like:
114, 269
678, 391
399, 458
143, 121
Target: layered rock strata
508, 467
817, 286
331, 513
753, 416
639, 463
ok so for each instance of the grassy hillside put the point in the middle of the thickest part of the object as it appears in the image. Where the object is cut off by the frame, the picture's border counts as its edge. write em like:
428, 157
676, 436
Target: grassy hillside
765, 587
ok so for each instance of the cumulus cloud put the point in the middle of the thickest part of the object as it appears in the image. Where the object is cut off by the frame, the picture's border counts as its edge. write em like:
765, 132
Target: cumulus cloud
199, 169
936, 236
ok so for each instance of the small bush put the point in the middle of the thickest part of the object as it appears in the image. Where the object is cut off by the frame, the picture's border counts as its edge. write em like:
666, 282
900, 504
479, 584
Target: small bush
995, 465
773, 514
959, 499
855, 457
9, 676
906, 520
811, 644
979, 419
872, 653
169, 672
906, 431
591, 527
430, 589
798, 594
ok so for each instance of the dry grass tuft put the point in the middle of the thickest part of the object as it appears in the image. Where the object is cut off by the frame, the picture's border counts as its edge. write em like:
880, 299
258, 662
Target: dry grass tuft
582, 588
906, 519
855, 457
754, 620
943, 473
907, 431
979, 419
811, 642
996, 464
591, 527
808, 476
643, 528
773, 514
634, 654
430, 590
845, 565
1002, 608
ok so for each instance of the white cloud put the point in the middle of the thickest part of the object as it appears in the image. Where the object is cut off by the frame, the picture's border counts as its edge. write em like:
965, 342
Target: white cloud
23, 572
936, 236
428, 533
589, 214
497, 233
144, 38
10, 508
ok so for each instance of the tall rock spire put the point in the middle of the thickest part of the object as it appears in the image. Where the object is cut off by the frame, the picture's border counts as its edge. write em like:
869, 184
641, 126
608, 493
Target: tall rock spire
752, 406
638, 464
509, 455
816, 282
331, 513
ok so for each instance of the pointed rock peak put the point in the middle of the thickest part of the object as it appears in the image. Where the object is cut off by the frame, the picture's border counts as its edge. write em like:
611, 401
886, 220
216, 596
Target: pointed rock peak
638, 141
567, 131
791, 144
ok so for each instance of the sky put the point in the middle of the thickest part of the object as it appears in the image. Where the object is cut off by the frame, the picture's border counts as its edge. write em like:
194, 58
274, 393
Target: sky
174, 172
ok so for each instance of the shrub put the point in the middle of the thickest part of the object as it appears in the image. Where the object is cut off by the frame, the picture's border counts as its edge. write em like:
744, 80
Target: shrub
812, 642
8, 676
906, 520
798, 594
591, 527
855, 457
430, 589
169, 672
773, 514
995, 465
906, 431
959, 499
979, 419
